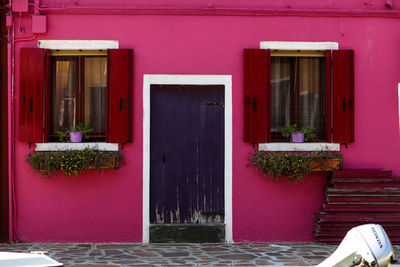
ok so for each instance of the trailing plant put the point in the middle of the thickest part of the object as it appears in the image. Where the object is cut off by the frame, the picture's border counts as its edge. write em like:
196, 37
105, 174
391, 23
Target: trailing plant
294, 165
309, 132
85, 128
72, 162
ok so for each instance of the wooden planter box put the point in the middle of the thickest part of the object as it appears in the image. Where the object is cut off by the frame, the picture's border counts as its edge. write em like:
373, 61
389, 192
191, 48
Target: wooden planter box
108, 165
326, 165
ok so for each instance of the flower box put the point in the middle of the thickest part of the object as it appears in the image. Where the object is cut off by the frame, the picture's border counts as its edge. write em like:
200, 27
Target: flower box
73, 162
326, 165
111, 164
294, 165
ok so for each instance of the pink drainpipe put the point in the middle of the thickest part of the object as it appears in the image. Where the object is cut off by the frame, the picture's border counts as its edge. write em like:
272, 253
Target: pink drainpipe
11, 135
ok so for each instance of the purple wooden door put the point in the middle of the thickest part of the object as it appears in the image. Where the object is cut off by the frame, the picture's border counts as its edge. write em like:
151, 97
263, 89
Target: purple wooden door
187, 154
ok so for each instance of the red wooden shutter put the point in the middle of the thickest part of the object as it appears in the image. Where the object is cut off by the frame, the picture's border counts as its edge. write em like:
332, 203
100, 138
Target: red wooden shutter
257, 113
33, 62
119, 91
343, 96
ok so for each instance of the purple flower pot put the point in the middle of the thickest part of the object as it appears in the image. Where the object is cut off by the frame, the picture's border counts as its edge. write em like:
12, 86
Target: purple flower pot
75, 137
298, 137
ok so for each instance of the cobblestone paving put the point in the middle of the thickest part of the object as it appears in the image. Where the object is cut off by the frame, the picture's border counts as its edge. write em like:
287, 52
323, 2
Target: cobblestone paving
243, 254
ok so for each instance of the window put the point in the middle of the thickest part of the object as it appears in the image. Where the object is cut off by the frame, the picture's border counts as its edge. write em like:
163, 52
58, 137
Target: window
297, 93
310, 89
78, 94
59, 89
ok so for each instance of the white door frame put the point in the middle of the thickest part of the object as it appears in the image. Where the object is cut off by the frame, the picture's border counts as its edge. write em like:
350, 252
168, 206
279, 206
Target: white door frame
225, 80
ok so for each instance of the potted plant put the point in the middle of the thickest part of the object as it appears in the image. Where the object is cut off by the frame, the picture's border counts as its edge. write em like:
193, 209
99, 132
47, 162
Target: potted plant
298, 135
76, 133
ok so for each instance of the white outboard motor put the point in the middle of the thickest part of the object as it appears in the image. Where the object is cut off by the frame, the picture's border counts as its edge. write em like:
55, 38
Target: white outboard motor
366, 245
33, 259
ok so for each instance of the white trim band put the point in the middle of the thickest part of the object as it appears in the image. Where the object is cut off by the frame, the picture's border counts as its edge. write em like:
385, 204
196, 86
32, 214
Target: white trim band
299, 45
75, 146
299, 147
78, 44
225, 80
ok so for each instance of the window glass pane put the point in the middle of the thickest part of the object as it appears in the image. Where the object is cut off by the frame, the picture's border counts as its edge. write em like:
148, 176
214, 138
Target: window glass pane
95, 93
280, 92
312, 93
63, 96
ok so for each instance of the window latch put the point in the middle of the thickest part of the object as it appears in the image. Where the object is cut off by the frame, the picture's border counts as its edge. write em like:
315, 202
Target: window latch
344, 104
30, 104
254, 104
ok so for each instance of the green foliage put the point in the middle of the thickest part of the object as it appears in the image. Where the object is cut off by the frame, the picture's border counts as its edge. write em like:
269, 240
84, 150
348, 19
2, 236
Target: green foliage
85, 128
63, 136
309, 132
294, 165
72, 162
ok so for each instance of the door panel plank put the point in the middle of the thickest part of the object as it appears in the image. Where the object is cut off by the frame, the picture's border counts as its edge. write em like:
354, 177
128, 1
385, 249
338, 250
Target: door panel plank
187, 154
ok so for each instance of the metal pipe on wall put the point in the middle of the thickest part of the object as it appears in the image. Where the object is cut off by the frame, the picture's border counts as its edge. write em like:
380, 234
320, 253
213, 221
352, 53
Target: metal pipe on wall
11, 141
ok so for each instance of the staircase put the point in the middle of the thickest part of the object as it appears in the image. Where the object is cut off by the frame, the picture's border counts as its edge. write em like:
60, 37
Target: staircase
355, 197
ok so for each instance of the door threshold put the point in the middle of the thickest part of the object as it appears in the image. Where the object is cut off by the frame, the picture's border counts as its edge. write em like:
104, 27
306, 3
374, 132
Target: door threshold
187, 233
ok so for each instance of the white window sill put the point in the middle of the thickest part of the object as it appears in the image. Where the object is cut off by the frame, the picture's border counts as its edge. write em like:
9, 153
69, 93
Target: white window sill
75, 146
299, 147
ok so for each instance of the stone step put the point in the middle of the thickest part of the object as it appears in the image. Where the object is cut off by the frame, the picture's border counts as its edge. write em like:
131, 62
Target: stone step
356, 197
363, 190
371, 198
361, 217
361, 207
365, 173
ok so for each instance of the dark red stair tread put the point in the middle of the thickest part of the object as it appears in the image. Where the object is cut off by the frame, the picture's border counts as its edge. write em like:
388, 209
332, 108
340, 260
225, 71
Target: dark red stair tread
359, 207
363, 173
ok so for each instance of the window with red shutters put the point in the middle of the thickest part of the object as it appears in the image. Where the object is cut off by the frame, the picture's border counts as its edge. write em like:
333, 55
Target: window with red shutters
309, 91
83, 89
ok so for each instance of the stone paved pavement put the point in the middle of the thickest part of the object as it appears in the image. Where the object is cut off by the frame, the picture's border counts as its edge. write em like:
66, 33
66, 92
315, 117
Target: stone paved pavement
242, 254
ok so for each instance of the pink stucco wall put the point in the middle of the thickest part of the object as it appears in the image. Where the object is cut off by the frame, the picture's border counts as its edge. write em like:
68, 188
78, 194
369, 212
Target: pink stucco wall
107, 206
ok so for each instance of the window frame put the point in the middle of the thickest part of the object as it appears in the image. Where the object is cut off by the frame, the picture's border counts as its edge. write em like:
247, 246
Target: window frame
77, 47
294, 89
79, 57
308, 49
